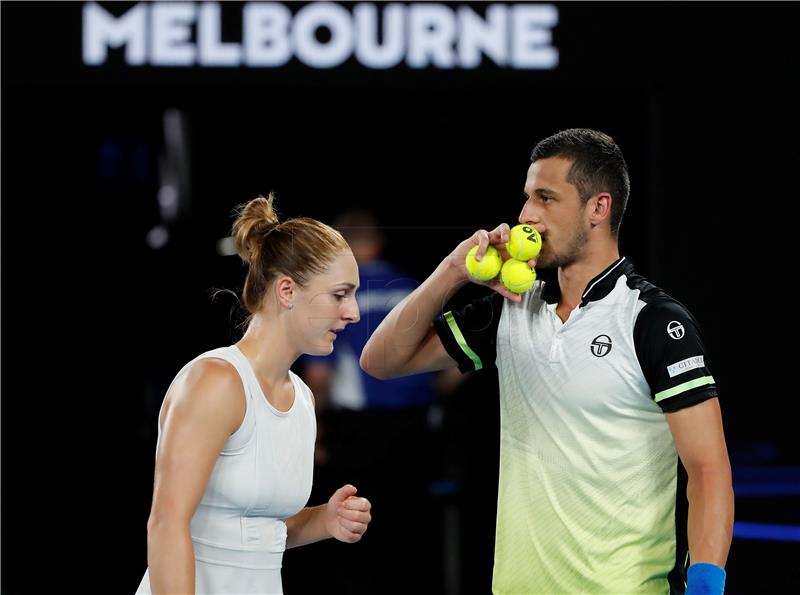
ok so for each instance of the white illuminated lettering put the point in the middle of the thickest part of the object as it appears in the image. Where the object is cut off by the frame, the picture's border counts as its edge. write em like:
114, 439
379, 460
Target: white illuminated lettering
476, 36
432, 29
313, 52
326, 35
266, 34
171, 30
101, 31
211, 50
531, 24
368, 51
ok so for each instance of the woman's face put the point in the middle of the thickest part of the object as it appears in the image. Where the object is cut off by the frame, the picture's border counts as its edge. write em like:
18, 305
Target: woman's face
327, 305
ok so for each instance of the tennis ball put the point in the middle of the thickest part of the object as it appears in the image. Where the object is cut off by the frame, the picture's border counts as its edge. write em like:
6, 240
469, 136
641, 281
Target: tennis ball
486, 268
517, 276
524, 242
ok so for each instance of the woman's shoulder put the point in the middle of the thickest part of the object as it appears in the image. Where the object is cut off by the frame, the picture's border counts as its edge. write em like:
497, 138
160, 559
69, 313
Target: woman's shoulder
212, 372
216, 367
208, 386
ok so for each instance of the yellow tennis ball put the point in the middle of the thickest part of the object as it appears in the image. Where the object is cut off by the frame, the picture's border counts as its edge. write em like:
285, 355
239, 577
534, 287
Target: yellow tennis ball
524, 242
517, 276
486, 268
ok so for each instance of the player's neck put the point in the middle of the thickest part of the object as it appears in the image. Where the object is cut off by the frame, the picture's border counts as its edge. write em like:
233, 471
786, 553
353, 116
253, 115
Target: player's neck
266, 345
574, 278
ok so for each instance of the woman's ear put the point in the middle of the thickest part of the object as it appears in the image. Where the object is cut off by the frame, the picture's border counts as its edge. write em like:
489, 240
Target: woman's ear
285, 291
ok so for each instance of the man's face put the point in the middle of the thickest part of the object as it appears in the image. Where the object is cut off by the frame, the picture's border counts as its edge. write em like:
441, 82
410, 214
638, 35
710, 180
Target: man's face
554, 207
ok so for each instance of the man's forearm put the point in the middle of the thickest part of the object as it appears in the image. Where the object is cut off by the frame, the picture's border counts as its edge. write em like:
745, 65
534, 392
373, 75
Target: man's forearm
710, 516
398, 337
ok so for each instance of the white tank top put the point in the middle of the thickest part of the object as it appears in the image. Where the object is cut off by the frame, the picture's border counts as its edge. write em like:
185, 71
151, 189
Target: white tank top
262, 476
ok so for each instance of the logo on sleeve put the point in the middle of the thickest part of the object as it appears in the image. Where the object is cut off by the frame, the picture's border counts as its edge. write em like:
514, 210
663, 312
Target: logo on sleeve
675, 330
601, 345
691, 363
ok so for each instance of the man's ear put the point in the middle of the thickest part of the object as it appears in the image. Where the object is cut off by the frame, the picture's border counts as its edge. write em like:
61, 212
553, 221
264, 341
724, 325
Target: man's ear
599, 208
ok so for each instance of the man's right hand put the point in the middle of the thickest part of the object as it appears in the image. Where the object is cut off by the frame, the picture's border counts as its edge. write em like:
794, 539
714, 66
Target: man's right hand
498, 238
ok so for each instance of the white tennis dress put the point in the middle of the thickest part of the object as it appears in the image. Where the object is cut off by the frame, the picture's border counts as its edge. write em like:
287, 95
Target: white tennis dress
262, 476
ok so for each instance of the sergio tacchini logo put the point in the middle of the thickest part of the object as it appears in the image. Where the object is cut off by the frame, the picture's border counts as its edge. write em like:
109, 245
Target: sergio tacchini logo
675, 330
601, 345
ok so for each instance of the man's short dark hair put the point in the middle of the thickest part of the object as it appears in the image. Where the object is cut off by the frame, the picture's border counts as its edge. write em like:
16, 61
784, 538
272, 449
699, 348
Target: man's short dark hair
597, 166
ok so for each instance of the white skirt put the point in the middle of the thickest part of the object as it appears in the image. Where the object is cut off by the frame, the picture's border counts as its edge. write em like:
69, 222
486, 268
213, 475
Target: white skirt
231, 567
218, 575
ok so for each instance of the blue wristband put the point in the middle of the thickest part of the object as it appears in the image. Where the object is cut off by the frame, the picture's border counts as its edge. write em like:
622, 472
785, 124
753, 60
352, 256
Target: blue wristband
705, 579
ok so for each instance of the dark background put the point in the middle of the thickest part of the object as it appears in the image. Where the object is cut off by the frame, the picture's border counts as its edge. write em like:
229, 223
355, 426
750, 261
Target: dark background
701, 98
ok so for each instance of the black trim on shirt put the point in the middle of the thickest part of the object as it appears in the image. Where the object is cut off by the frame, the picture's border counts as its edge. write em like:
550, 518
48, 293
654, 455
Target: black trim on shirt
657, 349
598, 288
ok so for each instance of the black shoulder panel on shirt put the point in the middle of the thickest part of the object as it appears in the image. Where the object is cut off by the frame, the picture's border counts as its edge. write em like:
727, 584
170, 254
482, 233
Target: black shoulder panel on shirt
670, 349
470, 334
